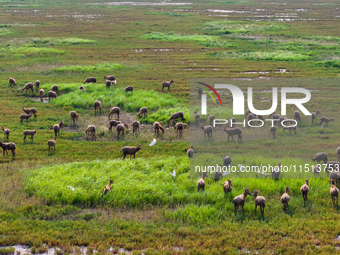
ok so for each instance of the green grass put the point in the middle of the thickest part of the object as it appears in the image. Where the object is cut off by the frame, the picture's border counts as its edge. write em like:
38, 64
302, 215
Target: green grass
265, 55
163, 114
61, 41
105, 67
32, 51
207, 40
324, 4
5, 31
5, 251
241, 27
130, 102
149, 183
322, 38
142, 182
39, 250
329, 63
147, 212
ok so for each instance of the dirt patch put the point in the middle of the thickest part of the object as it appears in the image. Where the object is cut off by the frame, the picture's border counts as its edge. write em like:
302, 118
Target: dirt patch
37, 99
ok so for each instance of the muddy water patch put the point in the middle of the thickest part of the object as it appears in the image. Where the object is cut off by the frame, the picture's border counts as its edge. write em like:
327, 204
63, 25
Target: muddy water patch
286, 15
229, 11
149, 49
86, 17
292, 19
23, 11
138, 50
37, 99
163, 49
282, 70
218, 15
213, 69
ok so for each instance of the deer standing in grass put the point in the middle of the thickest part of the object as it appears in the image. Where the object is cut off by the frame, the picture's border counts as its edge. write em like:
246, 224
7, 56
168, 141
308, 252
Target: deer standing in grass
6, 132
29, 132
52, 143
8, 147
167, 84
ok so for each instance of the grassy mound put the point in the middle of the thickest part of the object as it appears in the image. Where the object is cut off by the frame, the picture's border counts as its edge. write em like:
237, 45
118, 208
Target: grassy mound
278, 55
136, 182
61, 41
241, 27
142, 182
130, 102
106, 67
206, 40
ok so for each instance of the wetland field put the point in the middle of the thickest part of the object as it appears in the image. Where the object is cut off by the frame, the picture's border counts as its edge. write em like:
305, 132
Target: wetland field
52, 202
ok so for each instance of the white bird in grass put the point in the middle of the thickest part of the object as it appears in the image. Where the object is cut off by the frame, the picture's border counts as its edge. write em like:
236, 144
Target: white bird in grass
71, 188
241, 167
19, 88
322, 125
97, 159
225, 173
153, 142
262, 173
173, 174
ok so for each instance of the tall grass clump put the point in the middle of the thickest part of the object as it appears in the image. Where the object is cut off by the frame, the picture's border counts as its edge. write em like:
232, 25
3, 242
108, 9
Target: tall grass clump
322, 38
5, 31
278, 55
140, 182
29, 51
196, 214
207, 40
329, 63
61, 41
8, 250
26, 51
130, 102
106, 67
136, 182
240, 27
162, 115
